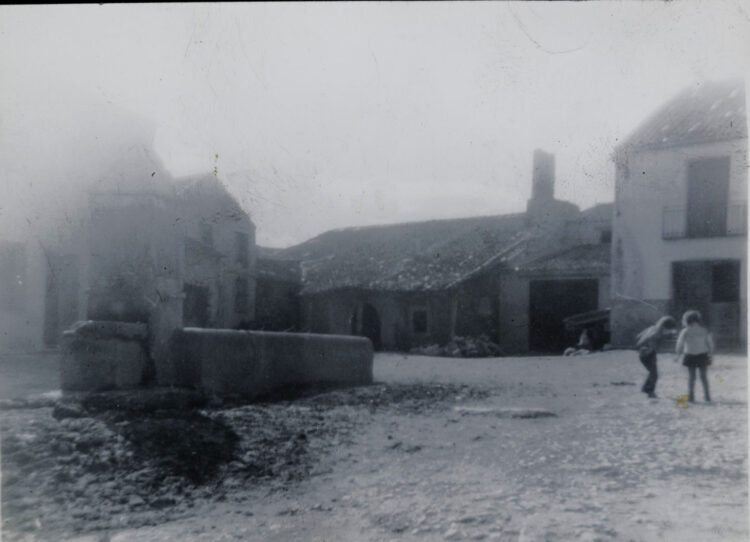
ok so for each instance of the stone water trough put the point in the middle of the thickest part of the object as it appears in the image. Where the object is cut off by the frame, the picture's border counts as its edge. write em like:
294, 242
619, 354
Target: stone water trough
97, 356
102, 355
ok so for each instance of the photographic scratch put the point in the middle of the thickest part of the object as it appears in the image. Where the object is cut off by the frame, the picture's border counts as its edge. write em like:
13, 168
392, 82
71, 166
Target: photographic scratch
535, 42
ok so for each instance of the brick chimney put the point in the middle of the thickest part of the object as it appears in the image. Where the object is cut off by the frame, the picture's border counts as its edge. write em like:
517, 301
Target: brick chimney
543, 176
542, 188
546, 215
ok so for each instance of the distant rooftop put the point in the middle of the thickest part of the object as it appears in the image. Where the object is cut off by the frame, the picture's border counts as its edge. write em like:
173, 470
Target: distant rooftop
416, 256
400, 257
577, 259
280, 270
703, 113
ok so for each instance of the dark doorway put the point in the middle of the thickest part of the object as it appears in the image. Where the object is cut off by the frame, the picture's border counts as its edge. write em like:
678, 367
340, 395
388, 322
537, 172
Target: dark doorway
195, 306
371, 325
354, 322
691, 288
713, 289
708, 197
551, 301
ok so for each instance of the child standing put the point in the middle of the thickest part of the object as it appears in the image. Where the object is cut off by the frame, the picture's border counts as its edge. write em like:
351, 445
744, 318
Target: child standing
648, 345
696, 346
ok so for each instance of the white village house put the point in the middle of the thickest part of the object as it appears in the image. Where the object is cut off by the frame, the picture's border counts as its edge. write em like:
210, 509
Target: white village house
680, 220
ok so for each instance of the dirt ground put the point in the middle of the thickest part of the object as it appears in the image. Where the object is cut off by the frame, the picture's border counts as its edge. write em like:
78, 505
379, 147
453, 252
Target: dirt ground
520, 449
22, 375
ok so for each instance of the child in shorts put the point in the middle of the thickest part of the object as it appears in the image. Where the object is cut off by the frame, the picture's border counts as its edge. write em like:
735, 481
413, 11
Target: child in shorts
696, 347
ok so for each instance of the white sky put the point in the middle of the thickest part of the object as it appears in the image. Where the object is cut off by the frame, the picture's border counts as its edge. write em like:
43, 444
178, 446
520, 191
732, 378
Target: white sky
345, 114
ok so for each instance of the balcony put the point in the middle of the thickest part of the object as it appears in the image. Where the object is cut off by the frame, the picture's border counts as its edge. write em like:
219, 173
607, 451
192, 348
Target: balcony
675, 223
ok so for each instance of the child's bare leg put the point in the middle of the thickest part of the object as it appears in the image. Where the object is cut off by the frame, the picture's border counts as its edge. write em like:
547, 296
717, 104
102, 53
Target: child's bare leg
704, 380
691, 384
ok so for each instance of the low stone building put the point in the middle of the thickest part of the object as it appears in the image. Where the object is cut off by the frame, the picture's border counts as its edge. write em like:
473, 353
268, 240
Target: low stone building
680, 224
415, 284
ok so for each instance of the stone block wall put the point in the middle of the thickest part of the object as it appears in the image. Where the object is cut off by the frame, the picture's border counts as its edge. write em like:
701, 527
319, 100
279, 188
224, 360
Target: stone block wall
101, 355
252, 363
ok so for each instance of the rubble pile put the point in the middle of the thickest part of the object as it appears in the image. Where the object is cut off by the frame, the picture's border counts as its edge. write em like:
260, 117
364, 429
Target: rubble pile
462, 347
125, 459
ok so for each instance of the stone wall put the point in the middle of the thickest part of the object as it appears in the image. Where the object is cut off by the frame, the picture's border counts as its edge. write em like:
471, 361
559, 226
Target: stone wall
98, 355
478, 305
252, 363
340, 311
513, 318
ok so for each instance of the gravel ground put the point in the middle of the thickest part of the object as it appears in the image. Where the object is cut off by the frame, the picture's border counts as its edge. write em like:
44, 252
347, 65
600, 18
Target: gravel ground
26, 374
438, 449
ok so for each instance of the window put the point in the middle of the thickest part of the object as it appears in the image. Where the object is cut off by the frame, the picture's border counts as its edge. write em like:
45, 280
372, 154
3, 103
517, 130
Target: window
725, 282
708, 197
241, 292
242, 244
419, 321
605, 236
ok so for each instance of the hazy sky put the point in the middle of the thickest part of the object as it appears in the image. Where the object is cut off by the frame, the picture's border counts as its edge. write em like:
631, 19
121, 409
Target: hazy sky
319, 116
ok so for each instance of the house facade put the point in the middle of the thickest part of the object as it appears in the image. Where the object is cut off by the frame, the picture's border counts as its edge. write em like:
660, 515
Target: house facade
185, 258
170, 253
680, 223
415, 284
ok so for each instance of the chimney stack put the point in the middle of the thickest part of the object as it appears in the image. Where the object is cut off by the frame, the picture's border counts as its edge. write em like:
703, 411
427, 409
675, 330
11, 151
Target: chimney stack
543, 176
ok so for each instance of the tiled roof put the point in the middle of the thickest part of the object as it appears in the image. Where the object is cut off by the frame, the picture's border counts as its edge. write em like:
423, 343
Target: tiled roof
282, 270
268, 252
594, 259
703, 113
405, 257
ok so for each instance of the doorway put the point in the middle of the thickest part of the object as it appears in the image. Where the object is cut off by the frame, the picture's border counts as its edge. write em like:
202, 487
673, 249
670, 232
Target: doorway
713, 289
550, 302
371, 325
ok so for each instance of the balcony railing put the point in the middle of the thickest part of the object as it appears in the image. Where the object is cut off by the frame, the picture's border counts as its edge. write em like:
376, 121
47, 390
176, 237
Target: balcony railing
675, 224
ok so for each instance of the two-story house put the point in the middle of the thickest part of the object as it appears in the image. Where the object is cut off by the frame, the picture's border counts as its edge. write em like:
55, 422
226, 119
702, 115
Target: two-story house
680, 221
